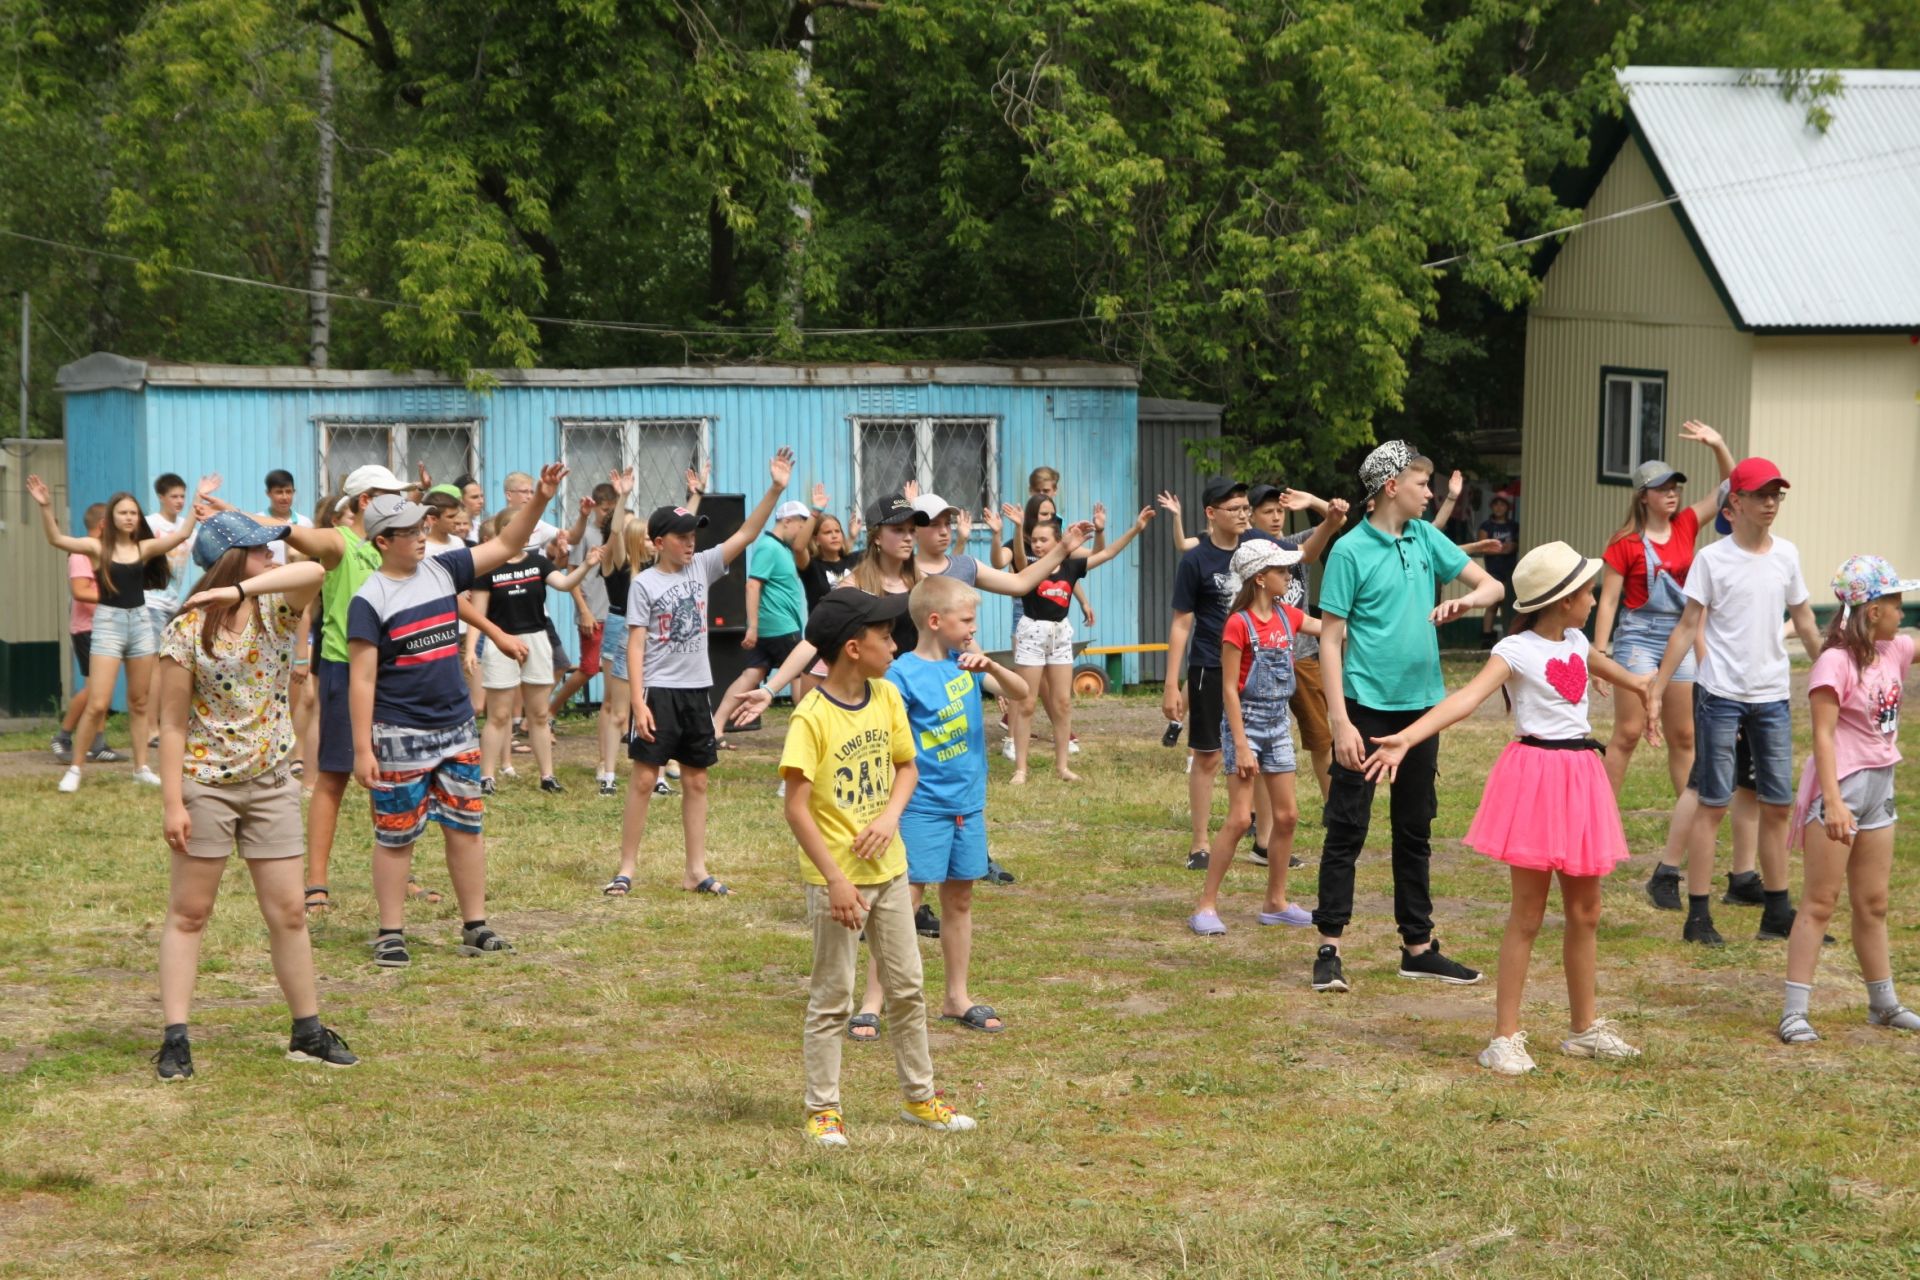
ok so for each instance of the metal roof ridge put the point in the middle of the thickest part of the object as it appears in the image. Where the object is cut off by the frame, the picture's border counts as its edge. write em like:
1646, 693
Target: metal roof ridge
1763, 77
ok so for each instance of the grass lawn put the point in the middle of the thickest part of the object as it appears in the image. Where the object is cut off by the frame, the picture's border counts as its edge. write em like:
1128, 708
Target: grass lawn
622, 1097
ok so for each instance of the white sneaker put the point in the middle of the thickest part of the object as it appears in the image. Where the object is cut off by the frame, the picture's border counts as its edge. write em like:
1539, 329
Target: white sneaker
780, 792
70, 781
1189, 768
1507, 1055
1073, 745
1600, 1040
146, 777
1006, 748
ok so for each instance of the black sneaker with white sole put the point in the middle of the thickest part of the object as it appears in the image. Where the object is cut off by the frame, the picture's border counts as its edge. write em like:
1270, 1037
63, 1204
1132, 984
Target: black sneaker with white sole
551, 785
105, 755
1663, 888
1295, 862
390, 951
487, 786
323, 1046
609, 787
1197, 860
1700, 929
175, 1059
1327, 975
661, 788
1431, 964
1258, 857
925, 923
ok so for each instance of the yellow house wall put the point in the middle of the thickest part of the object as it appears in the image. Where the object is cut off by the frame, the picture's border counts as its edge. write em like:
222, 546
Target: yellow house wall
1623, 294
1839, 416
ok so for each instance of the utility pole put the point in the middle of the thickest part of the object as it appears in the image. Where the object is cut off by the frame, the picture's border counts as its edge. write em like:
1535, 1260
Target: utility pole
26, 356
319, 314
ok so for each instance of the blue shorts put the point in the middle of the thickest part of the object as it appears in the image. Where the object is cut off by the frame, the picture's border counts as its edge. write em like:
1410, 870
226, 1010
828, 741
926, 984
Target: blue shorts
1272, 745
1768, 730
613, 647
943, 847
1641, 655
125, 633
332, 722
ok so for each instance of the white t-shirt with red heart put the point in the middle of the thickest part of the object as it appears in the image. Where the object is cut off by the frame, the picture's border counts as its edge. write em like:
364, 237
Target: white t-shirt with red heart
1547, 683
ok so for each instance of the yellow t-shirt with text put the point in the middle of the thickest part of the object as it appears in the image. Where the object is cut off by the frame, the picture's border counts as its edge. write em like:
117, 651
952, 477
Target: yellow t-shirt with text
849, 754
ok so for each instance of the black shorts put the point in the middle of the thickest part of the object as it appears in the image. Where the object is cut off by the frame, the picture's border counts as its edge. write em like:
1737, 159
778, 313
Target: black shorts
772, 651
682, 730
82, 651
1204, 708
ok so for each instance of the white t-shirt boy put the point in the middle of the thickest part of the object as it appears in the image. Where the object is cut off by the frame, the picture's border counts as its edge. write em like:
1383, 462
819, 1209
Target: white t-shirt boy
1746, 596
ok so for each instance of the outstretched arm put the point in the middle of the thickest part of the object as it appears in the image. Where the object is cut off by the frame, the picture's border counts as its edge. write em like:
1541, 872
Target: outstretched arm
571, 578
1389, 751
779, 472
1103, 554
512, 539
1315, 543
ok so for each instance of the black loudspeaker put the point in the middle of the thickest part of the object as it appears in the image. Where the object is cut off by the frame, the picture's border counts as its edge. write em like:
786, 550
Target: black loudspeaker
727, 598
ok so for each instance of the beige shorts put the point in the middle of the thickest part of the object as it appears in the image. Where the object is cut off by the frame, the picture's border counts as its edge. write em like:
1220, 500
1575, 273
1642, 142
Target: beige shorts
498, 671
259, 817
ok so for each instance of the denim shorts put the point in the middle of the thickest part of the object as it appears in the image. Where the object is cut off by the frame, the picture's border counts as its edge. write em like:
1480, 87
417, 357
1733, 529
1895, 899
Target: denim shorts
613, 647
125, 633
943, 847
1272, 749
1639, 649
1769, 734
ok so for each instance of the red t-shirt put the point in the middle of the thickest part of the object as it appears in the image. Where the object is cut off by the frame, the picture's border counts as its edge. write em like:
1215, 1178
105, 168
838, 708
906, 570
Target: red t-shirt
1628, 558
1272, 635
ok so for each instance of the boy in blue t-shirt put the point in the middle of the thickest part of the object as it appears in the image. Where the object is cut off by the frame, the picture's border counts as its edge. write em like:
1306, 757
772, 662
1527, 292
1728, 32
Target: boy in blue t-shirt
415, 747
945, 823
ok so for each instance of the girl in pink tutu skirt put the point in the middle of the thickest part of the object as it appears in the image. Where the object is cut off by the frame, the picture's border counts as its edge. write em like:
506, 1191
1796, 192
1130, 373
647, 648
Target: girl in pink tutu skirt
1548, 808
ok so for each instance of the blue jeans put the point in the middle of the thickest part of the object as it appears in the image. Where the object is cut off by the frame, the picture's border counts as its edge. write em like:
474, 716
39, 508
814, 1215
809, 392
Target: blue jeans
1769, 733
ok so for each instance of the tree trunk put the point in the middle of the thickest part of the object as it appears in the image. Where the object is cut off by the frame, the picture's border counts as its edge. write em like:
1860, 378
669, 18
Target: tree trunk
721, 281
802, 176
319, 274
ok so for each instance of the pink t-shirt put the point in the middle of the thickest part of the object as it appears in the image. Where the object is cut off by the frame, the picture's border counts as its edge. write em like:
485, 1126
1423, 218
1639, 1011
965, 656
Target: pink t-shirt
80, 615
1868, 735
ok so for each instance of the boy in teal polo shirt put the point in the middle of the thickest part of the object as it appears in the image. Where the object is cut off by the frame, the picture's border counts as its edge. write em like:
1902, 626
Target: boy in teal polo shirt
1380, 667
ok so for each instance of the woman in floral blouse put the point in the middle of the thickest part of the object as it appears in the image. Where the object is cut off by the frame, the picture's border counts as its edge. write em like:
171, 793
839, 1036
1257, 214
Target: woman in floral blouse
226, 742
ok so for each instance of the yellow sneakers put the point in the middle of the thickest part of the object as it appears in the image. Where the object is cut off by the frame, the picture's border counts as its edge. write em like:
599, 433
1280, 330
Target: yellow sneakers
935, 1113
827, 1128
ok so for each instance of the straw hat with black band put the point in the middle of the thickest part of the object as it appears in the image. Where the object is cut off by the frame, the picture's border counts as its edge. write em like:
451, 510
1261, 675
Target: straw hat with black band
1550, 572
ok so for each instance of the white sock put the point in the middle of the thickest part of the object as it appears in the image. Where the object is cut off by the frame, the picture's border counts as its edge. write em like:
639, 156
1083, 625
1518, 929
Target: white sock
1880, 995
1798, 993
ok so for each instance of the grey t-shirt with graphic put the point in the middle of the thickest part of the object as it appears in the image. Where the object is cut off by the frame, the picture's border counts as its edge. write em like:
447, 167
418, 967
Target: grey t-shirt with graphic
672, 608
594, 585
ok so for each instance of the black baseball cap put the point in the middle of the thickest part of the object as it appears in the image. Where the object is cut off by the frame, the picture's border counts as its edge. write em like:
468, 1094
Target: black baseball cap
845, 612
1218, 490
674, 520
894, 509
1261, 494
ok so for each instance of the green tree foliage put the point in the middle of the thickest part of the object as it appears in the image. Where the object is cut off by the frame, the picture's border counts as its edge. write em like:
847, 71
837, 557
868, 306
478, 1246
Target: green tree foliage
1241, 197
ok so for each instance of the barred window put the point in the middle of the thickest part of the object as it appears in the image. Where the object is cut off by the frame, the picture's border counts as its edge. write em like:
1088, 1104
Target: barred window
660, 450
449, 449
956, 458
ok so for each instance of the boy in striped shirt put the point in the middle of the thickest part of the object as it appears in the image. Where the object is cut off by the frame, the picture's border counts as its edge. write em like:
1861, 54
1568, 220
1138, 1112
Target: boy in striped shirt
415, 746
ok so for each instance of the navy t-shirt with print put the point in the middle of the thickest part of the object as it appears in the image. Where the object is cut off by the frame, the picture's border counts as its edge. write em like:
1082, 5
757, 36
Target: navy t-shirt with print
414, 624
1203, 586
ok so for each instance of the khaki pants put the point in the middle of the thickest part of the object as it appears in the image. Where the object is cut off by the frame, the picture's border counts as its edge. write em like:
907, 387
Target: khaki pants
836, 952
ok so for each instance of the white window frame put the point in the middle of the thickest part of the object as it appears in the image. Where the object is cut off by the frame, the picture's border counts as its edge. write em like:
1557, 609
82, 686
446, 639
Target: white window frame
924, 426
398, 458
1638, 380
631, 429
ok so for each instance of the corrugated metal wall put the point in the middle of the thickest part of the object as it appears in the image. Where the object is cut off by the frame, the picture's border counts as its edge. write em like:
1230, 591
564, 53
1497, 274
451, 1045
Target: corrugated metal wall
33, 576
1165, 464
1087, 433
1627, 294
1840, 418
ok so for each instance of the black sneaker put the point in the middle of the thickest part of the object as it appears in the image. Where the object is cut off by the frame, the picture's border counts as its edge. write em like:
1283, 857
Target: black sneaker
105, 755
1197, 860
486, 786
62, 748
1663, 888
1701, 930
323, 1046
1745, 890
925, 923
175, 1059
390, 951
1258, 857
1295, 862
1431, 964
552, 787
661, 788
609, 787
1326, 969
997, 874
1776, 927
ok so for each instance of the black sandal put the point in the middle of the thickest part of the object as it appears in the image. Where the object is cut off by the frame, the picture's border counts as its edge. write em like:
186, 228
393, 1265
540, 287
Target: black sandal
863, 1022
618, 887
482, 941
712, 886
417, 890
324, 902
977, 1018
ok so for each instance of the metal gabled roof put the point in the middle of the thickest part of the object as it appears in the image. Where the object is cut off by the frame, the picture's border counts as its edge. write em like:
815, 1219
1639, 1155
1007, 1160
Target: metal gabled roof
1802, 229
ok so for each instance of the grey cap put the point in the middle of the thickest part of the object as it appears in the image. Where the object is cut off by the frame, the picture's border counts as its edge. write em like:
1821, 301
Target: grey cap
1653, 473
390, 511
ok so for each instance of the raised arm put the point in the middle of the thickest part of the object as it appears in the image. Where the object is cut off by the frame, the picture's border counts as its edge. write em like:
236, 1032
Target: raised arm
1100, 555
1003, 583
1455, 483
567, 580
1700, 433
62, 541
697, 485
325, 545
779, 472
577, 531
1182, 544
512, 539
803, 545
1333, 518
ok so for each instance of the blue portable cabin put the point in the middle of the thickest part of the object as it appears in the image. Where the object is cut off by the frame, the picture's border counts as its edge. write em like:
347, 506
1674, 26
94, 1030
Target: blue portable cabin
970, 432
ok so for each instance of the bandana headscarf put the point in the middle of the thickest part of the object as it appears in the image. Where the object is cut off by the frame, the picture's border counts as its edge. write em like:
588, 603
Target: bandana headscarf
1384, 463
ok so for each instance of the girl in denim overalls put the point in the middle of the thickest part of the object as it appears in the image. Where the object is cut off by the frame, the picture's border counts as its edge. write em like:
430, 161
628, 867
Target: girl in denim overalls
1256, 729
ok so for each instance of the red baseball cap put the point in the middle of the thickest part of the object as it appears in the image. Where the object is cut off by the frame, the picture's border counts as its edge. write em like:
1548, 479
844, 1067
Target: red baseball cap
1755, 474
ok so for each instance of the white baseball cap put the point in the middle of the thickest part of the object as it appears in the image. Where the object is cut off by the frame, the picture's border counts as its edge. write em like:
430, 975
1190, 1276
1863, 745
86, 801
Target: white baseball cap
791, 510
933, 506
367, 479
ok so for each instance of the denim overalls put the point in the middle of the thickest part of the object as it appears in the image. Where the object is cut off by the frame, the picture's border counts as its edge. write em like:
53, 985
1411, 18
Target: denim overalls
1646, 629
1263, 702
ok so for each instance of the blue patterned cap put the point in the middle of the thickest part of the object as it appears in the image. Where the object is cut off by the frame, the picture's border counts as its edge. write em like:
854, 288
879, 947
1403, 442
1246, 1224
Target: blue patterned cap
227, 530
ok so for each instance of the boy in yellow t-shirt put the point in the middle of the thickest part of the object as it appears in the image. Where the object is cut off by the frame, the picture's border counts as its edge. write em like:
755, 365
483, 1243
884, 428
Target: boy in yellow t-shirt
848, 766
